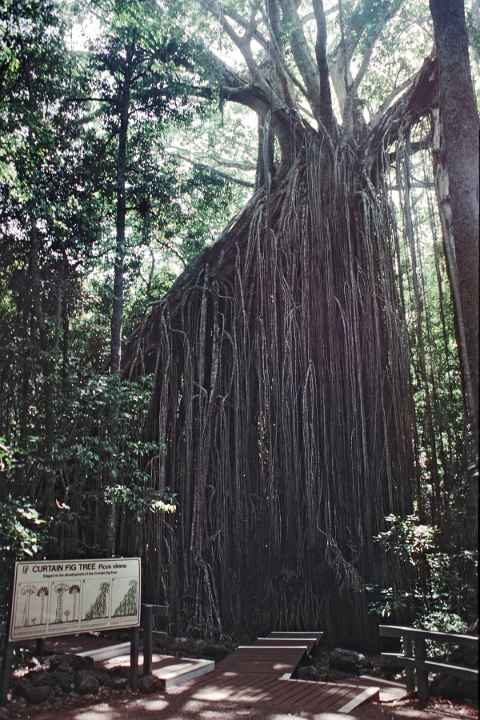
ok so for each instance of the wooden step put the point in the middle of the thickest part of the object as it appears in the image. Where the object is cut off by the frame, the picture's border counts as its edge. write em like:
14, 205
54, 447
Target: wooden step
180, 673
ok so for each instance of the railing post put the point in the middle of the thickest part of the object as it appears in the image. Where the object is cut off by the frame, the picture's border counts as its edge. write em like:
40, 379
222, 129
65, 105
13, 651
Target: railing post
420, 669
409, 671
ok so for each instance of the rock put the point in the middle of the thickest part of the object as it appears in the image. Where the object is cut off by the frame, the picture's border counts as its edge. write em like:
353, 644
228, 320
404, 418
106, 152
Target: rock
184, 645
22, 686
103, 677
118, 678
63, 680
118, 682
348, 660
384, 666
214, 652
82, 662
69, 663
164, 642
86, 683
60, 662
35, 694
22, 678
199, 645
321, 660
52, 678
18, 685
388, 661
308, 672
149, 684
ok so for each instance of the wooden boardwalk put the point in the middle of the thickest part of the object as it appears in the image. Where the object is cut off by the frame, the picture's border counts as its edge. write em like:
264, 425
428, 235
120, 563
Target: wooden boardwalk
253, 682
259, 674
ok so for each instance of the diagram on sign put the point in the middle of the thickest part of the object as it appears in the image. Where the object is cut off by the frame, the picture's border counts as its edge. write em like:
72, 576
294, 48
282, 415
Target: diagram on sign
74, 591
33, 606
43, 593
64, 603
99, 608
129, 603
27, 592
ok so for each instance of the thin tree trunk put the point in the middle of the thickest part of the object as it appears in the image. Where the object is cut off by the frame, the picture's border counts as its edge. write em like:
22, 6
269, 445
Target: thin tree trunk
45, 364
121, 213
119, 266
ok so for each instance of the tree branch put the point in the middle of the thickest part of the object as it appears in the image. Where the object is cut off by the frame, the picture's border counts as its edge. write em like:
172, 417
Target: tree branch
215, 171
360, 25
225, 162
391, 96
88, 99
242, 43
416, 102
326, 110
301, 53
250, 27
276, 53
233, 87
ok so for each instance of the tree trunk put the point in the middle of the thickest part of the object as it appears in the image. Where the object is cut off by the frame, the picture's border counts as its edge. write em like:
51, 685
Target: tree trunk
119, 270
281, 401
121, 213
458, 182
45, 362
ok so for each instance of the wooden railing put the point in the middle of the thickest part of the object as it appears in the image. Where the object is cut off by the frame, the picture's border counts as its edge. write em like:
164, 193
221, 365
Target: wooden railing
414, 656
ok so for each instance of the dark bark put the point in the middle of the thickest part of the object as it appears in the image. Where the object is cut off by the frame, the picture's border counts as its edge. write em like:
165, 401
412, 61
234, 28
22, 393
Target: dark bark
327, 117
119, 263
265, 165
120, 222
45, 363
457, 173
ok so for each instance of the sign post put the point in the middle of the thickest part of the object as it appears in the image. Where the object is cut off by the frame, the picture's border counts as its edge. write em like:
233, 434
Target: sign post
6, 667
7, 651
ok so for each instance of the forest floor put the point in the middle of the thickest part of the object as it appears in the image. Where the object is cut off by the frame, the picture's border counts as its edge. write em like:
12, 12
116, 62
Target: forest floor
199, 699
413, 709
178, 705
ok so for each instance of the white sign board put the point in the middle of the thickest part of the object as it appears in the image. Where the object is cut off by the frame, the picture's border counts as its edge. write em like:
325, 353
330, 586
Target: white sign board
63, 597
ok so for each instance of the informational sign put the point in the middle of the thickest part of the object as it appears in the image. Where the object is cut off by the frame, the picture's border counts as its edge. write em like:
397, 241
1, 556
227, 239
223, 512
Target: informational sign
63, 597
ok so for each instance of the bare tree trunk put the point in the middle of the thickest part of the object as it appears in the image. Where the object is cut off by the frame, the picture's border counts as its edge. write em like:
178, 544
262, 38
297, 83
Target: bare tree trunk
457, 177
119, 266
45, 364
121, 213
